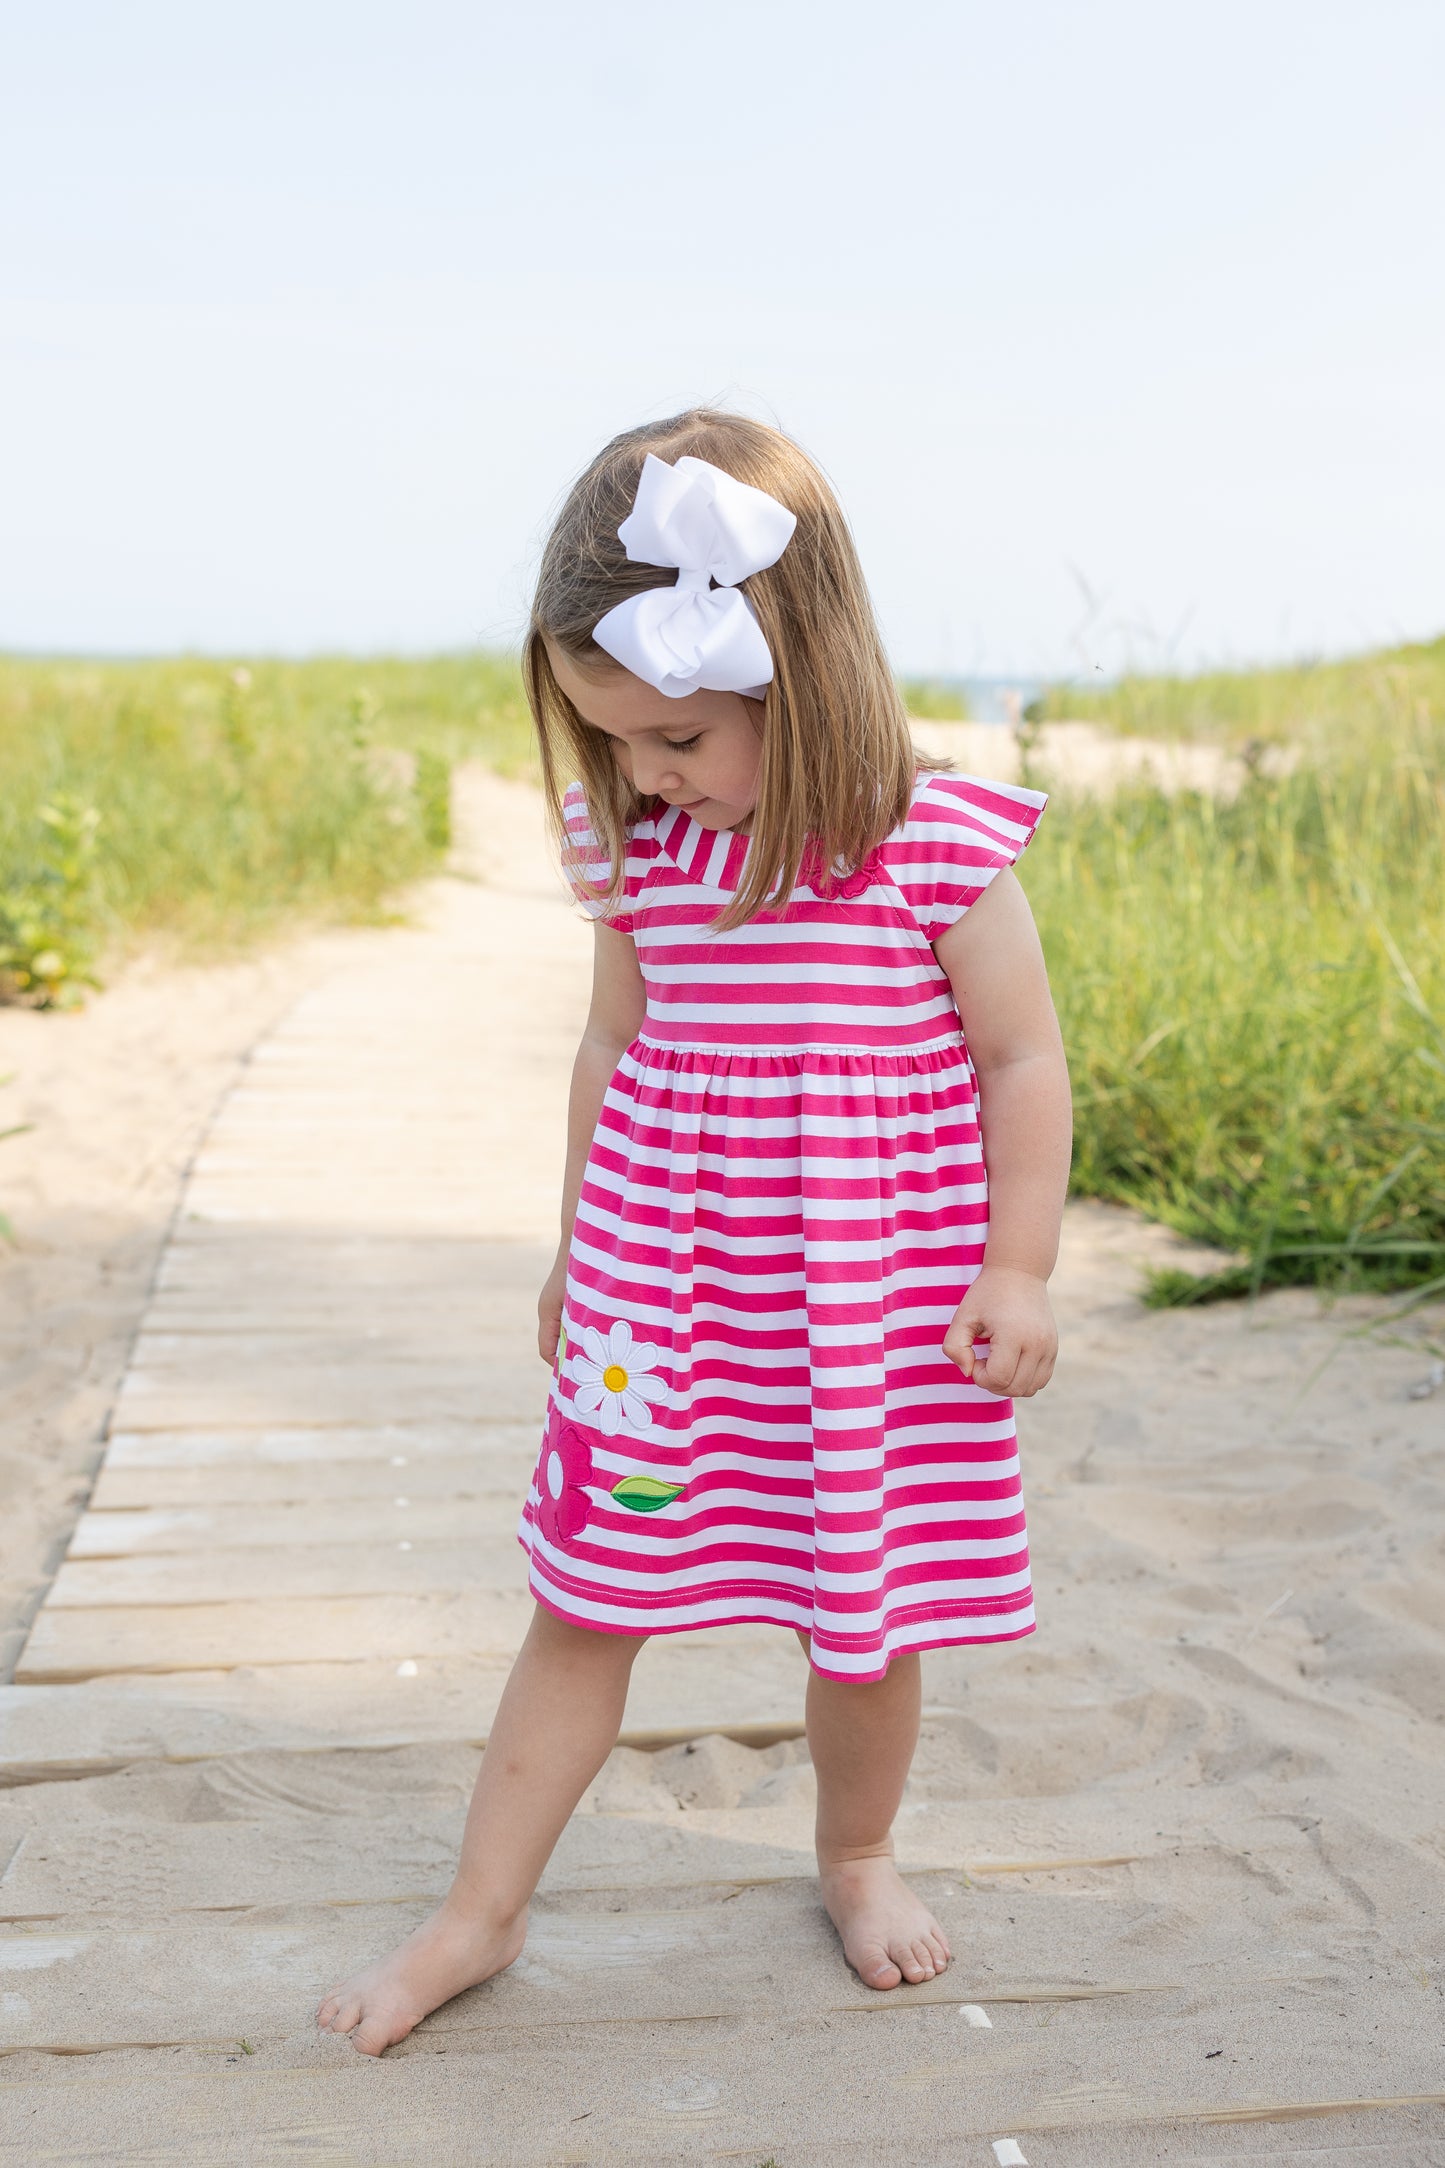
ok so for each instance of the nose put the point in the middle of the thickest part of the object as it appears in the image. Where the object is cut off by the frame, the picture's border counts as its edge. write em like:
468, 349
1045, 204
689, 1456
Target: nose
653, 776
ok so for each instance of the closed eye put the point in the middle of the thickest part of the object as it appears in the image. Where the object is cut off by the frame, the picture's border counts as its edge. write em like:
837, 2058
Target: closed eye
683, 745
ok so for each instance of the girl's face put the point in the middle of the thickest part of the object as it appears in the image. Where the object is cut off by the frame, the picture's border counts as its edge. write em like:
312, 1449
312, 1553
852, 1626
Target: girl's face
702, 753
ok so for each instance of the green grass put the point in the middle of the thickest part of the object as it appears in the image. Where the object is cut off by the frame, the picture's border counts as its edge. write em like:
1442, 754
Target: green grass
931, 700
1363, 697
213, 801
1253, 990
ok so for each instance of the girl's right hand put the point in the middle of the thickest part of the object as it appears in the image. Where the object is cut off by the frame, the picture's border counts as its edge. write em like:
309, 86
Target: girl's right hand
549, 1312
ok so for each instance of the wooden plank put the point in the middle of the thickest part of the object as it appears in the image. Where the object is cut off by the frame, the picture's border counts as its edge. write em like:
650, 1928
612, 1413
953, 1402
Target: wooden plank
345, 1188
112, 1869
298, 1121
200, 1979
239, 1207
489, 1474
269, 1171
376, 1373
110, 1873
691, 1951
200, 1256
461, 1311
486, 1345
457, 1516
348, 1394
492, 1560
717, 2088
207, 1636
285, 1282
106, 1722
399, 1444
428, 1081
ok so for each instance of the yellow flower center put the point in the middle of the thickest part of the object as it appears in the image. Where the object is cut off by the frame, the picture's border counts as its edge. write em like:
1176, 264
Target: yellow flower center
614, 1377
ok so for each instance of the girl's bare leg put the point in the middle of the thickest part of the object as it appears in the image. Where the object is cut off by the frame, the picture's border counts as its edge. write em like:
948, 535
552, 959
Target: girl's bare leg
556, 1724
862, 1739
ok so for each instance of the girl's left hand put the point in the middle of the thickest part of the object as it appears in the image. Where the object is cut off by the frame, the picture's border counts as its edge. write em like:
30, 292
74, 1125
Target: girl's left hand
1010, 1310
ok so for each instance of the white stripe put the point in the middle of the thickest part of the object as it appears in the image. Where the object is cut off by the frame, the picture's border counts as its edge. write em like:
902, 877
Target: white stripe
825, 970
884, 1080
895, 1518
903, 1015
839, 931
745, 1604
820, 1249
840, 1459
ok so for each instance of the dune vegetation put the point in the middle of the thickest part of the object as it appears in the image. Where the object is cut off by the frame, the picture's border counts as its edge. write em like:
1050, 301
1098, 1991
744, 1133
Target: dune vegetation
937, 700
1316, 704
1252, 984
213, 801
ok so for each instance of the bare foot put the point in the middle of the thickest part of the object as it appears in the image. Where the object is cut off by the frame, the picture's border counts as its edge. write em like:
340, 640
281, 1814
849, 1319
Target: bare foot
447, 1953
889, 1935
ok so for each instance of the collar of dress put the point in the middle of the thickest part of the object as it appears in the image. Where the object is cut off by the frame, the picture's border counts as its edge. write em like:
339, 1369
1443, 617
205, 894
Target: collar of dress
712, 857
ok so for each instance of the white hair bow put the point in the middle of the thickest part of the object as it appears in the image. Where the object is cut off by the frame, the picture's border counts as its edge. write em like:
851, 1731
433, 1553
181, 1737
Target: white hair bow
694, 636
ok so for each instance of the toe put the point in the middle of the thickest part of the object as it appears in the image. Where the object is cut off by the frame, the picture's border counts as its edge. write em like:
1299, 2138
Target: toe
345, 2012
938, 1950
875, 1968
912, 1966
373, 2036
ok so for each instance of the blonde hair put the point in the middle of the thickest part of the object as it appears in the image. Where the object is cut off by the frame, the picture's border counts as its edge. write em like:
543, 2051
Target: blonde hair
838, 765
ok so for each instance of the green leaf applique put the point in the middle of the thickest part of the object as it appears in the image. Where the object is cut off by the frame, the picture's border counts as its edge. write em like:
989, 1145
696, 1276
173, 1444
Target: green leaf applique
645, 1494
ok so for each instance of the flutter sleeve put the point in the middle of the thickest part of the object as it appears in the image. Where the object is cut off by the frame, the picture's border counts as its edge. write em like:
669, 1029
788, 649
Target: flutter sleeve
587, 866
961, 830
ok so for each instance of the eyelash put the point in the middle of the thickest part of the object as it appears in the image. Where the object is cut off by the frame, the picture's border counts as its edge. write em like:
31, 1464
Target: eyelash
683, 745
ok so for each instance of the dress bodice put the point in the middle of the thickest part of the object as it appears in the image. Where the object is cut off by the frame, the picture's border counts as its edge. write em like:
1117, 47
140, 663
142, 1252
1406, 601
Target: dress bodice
847, 965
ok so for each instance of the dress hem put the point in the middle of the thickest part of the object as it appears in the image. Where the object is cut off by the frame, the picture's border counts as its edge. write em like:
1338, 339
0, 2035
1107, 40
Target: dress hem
955, 1619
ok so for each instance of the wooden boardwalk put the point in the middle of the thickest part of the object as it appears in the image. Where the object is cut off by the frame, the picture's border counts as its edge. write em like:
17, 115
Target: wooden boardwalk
303, 1531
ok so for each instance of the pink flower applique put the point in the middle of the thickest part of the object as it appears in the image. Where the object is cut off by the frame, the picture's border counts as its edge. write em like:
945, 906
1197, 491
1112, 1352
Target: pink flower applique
863, 877
563, 1505
833, 886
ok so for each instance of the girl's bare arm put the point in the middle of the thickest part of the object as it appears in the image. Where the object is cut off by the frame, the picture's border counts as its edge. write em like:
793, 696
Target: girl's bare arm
613, 1022
996, 969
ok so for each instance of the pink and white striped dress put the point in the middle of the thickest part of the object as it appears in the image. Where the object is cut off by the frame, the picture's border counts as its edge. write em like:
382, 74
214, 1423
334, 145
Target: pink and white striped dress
752, 1417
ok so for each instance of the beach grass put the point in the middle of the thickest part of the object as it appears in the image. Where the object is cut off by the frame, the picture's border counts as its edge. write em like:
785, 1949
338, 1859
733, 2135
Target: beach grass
936, 700
212, 801
1309, 703
1252, 987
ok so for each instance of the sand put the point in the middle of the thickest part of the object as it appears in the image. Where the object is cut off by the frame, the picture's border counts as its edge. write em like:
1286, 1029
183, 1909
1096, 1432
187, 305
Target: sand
1081, 757
119, 1094
1188, 1840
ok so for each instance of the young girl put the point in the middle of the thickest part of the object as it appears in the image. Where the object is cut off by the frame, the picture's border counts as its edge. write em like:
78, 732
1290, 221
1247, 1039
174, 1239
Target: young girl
788, 1313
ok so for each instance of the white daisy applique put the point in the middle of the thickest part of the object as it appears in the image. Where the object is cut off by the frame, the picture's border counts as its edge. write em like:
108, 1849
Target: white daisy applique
616, 1380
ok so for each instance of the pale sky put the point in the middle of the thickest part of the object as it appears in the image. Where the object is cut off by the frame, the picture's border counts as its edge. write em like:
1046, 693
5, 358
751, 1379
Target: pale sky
312, 310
